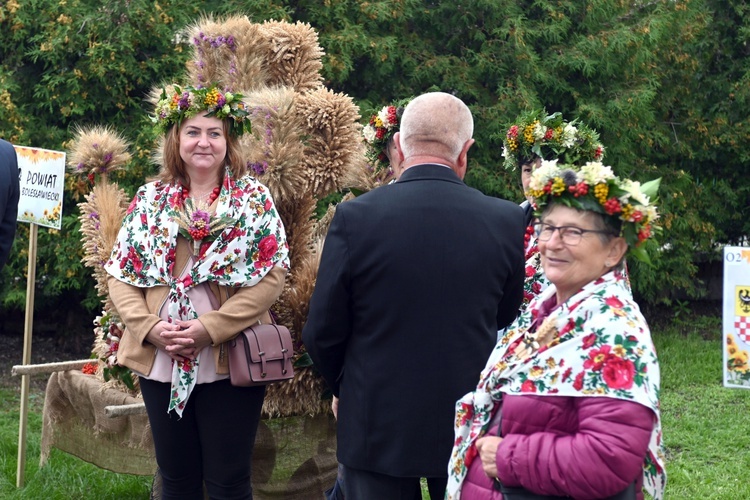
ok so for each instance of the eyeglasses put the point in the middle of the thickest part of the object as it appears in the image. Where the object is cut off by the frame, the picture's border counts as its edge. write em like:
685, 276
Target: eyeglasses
570, 235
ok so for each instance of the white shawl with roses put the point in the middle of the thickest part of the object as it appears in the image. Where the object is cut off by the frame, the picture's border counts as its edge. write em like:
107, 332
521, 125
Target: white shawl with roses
241, 255
600, 346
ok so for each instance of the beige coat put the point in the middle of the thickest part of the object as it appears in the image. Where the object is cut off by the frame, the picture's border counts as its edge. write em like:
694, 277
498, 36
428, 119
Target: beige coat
240, 308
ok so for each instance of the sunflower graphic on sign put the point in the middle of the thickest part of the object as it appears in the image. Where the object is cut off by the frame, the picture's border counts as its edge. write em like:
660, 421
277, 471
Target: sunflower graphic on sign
737, 359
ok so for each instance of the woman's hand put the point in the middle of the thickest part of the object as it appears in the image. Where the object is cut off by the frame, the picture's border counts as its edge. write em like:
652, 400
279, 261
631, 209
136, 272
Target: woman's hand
487, 448
181, 340
188, 340
155, 337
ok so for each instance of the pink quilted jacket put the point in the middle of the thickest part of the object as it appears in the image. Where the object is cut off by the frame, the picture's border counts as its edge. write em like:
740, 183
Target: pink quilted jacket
584, 448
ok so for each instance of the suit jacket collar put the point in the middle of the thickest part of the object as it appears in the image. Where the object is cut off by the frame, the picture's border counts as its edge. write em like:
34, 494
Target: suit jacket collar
429, 171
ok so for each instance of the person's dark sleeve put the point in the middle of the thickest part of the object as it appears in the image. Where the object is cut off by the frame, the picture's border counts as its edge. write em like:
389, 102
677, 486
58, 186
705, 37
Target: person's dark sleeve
9, 195
328, 326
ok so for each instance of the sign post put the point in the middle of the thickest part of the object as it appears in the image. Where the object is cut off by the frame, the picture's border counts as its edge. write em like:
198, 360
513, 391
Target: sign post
736, 317
41, 174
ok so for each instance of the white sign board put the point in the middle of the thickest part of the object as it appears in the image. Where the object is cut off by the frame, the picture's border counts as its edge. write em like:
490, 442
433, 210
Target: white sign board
42, 179
736, 317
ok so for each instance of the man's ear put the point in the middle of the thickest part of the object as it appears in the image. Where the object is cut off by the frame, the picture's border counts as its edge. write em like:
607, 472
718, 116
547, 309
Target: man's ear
397, 142
463, 160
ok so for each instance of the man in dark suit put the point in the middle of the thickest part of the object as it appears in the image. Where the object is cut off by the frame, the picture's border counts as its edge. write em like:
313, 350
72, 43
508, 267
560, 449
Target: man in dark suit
414, 281
9, 194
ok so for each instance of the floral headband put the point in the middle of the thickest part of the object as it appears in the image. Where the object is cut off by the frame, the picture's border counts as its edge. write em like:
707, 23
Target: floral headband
179, 104
549, 137
595, 187
381, 128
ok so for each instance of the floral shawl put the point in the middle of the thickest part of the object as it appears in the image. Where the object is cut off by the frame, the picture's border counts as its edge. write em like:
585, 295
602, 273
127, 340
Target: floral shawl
598, 345
144, 253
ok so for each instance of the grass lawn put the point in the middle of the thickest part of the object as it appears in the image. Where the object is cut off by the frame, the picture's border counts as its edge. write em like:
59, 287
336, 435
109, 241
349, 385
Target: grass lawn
65, 477
704, 425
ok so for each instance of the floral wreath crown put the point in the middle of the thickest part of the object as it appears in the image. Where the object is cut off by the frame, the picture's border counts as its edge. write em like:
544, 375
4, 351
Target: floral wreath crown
381, 128
178, 104
628, 204
548, 137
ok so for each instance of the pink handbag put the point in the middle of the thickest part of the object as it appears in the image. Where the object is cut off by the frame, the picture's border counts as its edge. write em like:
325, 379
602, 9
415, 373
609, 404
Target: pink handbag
260, 355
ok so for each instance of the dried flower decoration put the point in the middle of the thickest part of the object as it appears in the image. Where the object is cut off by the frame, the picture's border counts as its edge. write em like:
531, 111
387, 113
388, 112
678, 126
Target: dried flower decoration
380, 129
178, 104
596, 188
536, 134
109, 330
198, 225
97, 151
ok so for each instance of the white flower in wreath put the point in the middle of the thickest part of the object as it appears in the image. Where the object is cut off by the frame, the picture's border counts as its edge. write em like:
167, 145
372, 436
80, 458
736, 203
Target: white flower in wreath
505, 152
594, 172
539, 131
569, 135
383, 117
546, 171
633, 188
369, 133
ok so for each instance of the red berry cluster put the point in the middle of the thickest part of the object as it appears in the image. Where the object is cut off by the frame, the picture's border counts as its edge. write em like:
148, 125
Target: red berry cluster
89, 368
580, 189
612, 206
548, 134
392, 115
527, 235
644, 233
198, 234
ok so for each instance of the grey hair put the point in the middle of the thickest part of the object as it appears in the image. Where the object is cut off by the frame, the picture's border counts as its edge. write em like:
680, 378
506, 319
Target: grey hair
436, 123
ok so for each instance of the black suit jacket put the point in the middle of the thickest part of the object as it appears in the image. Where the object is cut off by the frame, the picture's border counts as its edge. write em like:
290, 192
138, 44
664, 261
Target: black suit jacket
415, 279
9, 194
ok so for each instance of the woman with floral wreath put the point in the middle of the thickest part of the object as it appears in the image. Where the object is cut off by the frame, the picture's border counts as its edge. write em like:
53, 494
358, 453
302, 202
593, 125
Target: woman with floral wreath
537, 136
201, 255
379, 133
567, 405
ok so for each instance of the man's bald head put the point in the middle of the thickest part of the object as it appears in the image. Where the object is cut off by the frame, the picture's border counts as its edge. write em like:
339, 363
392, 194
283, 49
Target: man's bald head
436, 124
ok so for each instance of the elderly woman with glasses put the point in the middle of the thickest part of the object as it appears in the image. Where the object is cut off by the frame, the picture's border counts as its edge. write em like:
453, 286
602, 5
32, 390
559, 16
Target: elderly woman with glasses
568, 403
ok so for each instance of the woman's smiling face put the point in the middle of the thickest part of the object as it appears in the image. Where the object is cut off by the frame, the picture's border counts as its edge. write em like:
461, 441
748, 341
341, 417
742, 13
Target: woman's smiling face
203, 144
570, 267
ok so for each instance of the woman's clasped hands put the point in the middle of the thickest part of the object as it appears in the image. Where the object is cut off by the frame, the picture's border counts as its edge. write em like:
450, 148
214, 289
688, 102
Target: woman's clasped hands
181, 340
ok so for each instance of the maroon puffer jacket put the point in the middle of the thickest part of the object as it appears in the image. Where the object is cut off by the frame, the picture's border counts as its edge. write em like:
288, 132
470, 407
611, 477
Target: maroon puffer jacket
584, 447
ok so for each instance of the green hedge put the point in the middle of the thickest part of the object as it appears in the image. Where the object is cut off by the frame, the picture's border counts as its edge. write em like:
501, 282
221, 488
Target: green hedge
664, 82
